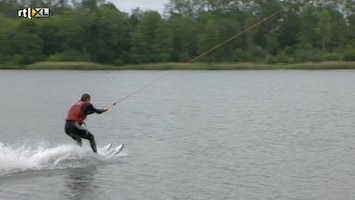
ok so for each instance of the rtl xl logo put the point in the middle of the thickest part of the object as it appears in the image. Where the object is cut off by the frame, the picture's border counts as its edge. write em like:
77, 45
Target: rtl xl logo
33, 12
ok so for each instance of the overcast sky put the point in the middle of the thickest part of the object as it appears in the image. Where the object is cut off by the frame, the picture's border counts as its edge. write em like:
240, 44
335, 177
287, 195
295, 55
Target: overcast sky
128, 5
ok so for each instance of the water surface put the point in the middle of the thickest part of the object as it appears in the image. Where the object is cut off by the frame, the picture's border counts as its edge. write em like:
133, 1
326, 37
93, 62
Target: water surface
192, 135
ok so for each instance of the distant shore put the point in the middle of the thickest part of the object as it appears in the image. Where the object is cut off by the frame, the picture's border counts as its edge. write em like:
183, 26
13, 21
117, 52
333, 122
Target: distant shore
329, 65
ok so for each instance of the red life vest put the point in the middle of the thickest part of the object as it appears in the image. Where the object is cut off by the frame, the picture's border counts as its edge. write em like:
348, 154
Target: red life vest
75, 113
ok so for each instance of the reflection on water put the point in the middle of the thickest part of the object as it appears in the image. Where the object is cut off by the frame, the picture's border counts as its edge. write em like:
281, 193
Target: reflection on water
80, 183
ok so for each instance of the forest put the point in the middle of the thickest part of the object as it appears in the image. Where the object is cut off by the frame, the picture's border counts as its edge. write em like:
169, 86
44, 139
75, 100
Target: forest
97, 31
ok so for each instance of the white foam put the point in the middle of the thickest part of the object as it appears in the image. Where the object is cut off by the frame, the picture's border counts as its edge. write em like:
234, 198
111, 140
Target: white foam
24, 157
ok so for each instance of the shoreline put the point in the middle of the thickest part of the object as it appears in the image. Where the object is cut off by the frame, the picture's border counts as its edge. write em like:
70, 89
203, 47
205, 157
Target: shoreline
329, 65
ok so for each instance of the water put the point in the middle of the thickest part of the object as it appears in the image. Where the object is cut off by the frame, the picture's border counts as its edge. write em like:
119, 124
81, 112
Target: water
193, 135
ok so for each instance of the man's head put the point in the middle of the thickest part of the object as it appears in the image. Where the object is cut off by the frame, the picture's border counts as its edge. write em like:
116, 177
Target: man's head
85, 97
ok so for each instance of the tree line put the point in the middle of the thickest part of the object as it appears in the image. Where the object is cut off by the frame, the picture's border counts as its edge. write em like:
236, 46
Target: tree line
97, 31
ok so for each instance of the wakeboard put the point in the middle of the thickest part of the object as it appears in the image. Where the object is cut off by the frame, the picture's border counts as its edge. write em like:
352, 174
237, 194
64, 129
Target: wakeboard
108, 150
117, 150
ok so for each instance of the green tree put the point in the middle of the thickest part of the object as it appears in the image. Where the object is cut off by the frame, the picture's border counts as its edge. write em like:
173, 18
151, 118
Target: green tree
323, 28
92, 30
10, 8
351, 28
306, 37
228, 28
184, 7
52, 39
185, 34
76, 33
6, 25
249, 50
25, 43
209, 38
289, 29
91, 5
151, 39
341, 33
267, 36
109, 41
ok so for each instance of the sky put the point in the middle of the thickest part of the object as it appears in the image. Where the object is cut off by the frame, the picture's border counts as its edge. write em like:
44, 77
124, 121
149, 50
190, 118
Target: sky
128, 5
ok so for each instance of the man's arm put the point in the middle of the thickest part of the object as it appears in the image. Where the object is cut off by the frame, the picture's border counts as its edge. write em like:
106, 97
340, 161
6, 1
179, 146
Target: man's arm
88, 109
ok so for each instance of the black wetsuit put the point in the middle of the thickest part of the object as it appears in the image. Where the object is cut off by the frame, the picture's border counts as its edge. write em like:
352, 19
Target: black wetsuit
75, 129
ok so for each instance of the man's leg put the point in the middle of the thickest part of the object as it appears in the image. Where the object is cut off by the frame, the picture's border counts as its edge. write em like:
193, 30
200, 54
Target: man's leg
77, 139
72, 131
82, 132
91, 138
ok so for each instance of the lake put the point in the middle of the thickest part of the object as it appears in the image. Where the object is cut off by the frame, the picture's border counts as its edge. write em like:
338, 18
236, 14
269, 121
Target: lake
282, 134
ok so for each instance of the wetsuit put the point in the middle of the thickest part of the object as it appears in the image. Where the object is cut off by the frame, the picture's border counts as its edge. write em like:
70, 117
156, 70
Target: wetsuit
76, 116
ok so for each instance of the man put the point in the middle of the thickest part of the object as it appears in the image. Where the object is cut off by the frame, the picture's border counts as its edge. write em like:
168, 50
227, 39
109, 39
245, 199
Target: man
75, 120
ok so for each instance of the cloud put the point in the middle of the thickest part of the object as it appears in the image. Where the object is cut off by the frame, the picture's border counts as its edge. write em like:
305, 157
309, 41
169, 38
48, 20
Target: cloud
128, 5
